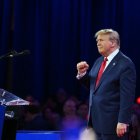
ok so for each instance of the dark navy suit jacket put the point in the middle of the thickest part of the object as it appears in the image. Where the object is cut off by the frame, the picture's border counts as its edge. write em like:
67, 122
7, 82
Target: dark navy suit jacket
112, 100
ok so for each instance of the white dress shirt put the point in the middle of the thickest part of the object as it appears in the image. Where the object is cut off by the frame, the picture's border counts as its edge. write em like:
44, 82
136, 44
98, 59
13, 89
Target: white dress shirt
111, 56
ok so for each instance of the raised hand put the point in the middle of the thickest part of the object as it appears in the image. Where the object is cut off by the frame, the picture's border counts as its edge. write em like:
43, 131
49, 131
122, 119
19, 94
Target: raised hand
82, 67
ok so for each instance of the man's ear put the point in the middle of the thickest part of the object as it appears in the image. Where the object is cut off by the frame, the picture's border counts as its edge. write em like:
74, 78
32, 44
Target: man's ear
113, 44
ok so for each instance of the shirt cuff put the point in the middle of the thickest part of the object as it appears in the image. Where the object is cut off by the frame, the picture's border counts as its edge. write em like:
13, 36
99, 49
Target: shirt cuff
80, 75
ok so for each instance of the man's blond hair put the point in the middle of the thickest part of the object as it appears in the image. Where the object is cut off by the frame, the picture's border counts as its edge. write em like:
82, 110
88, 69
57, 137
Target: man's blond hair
113, 35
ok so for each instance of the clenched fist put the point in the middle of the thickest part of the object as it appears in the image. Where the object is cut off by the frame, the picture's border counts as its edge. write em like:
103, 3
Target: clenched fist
82, 67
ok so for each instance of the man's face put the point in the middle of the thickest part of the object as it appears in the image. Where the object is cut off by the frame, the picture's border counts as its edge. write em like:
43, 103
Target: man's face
104, 45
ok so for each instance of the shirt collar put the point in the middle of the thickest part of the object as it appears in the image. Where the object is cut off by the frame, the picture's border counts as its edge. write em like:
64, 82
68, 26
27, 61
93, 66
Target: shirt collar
112, 55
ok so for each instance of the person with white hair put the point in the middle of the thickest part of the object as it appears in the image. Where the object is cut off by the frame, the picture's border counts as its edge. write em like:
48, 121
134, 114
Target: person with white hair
112, 82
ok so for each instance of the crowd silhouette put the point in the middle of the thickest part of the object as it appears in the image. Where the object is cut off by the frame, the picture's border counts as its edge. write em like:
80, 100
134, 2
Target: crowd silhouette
65, 113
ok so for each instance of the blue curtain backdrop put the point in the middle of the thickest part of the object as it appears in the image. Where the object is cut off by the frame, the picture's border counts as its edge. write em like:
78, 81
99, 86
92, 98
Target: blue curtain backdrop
60, 33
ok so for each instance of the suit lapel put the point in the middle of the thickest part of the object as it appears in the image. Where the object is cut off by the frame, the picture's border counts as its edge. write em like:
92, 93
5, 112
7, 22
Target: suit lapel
111, 65
95, 73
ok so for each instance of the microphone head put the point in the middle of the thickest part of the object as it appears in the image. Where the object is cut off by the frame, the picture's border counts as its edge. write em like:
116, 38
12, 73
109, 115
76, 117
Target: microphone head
14, 53
25, 52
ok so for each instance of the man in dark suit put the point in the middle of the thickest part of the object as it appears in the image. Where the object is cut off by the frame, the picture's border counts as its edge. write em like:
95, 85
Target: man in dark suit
112, 82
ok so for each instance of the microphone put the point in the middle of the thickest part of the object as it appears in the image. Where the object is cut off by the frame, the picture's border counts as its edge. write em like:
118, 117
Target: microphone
14, 53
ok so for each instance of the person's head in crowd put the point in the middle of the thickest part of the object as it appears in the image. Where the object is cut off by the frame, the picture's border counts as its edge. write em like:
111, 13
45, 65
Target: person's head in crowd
83, 110
61, 95
69, 107
51, 103
75, 99
31, 112
32, 100
52, 117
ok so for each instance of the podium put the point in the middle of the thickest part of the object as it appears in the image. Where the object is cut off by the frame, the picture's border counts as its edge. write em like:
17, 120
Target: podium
8, 99
2, 115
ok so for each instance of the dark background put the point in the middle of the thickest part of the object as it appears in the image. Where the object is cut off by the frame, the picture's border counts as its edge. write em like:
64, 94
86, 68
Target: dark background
60, 33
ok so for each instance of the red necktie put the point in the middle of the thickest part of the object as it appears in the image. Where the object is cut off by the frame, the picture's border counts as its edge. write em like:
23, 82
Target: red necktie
101, 71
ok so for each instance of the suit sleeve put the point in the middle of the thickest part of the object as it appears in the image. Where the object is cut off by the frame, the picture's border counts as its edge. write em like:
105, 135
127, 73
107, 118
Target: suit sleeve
127, 93
85, 81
